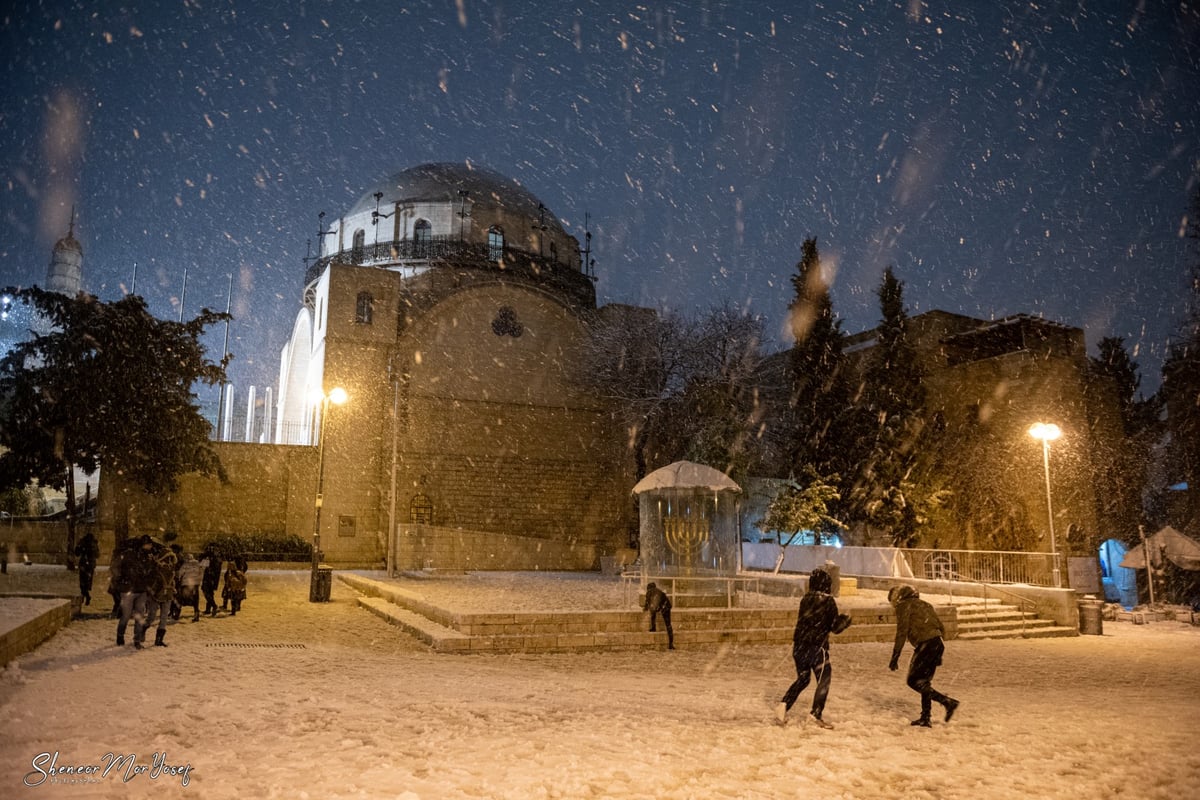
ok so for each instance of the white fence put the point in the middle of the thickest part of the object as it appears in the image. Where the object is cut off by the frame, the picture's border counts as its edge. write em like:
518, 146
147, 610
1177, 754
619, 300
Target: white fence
976, 566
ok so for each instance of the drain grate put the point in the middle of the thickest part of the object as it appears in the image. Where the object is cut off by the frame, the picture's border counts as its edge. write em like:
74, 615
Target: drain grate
257, 645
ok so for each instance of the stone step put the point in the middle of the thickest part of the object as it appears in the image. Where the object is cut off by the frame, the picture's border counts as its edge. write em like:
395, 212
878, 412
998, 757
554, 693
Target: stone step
1052, 631
1003, 625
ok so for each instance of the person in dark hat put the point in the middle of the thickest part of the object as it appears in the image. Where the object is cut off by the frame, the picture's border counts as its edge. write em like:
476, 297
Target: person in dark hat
817, 618
918, 623
658, 603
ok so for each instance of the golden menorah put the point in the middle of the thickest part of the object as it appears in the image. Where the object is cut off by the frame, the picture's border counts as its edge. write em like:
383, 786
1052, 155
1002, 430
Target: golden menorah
685, 535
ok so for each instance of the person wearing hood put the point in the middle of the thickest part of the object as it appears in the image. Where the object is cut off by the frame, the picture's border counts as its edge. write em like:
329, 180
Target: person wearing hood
918, 623
657, 603
818, 617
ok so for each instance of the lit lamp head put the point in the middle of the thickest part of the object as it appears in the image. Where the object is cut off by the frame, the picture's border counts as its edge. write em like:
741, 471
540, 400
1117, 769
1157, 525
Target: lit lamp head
337, 395
1047, 432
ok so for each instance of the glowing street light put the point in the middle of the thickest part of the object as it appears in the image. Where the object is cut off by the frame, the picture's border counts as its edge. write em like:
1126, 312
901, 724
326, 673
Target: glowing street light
316, 590
1048, 432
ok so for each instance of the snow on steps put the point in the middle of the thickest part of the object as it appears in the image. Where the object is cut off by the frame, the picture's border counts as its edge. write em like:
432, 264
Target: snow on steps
997, 621
544, 631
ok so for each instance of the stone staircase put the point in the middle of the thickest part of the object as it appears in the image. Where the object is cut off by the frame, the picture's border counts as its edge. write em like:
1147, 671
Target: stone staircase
545, 631
999, 621
449, 631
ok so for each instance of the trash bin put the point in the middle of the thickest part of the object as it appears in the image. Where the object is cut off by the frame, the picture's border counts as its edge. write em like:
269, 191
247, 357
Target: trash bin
1091, 616
321, 584
835, 575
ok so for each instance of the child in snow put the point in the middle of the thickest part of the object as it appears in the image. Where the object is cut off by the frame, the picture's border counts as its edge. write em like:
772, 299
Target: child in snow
917, 622
817, 618
657, 603
235, 587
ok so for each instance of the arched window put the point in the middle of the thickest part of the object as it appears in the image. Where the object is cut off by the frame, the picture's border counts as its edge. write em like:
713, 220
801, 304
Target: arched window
356, 254
495, 243
364, 308
422, 238
420, 510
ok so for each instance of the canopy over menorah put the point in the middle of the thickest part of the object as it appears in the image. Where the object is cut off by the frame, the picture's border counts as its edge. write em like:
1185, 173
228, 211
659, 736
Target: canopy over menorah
688, 520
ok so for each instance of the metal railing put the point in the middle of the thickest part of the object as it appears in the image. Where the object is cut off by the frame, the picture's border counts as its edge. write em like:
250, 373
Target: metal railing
981, 566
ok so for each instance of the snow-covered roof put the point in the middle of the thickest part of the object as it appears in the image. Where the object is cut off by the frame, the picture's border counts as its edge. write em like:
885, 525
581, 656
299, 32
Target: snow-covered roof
686, 475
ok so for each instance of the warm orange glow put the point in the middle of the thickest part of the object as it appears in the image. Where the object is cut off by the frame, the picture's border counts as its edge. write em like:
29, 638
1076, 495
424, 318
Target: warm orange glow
1047, 432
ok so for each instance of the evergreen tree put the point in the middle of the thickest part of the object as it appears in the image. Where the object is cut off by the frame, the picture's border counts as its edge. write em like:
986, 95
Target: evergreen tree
1181, 385
819, 390
1122, 458
891, 491
110, 387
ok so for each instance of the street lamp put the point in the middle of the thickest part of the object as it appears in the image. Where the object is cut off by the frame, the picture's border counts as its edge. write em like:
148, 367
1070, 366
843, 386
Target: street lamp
1048, 432
317, 593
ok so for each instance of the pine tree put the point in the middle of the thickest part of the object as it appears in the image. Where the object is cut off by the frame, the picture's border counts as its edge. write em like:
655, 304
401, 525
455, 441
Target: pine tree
819, 391
110, 386
890, 490
1181, 385
1122, 458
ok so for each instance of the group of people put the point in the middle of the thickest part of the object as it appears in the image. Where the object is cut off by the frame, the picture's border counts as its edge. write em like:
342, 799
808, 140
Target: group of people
150, 582
916, 623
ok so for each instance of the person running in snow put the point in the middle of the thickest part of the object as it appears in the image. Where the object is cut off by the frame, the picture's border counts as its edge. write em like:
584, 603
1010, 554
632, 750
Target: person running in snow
918, 623
657, 603
817, 618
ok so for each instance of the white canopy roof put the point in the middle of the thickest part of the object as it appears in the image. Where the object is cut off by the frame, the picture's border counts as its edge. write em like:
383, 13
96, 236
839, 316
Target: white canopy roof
1180, 550
686, 475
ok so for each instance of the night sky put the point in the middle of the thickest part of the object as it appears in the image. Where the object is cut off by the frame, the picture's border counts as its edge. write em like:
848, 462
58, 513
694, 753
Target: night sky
1005, 157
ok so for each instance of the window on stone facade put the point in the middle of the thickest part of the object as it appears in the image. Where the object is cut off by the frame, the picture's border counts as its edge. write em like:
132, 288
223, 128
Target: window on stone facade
554, 252
495, 243
346, 525
364, 308
422, 238
358, 251
420, 510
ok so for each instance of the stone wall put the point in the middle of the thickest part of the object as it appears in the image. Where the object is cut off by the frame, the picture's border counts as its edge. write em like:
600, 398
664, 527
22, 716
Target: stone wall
429, 546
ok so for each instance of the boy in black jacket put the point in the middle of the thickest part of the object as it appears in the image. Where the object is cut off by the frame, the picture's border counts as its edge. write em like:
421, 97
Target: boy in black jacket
657, 602
917, 622
818, 617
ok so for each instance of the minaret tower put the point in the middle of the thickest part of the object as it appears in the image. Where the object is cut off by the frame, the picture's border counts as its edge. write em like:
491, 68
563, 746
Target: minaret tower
65, 274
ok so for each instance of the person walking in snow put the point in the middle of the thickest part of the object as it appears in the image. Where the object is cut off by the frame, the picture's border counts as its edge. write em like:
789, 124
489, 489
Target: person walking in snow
187, 586
918, 623
211, 562
658, 603
235, 587
817, 618
157, 599
88, 553
133, 578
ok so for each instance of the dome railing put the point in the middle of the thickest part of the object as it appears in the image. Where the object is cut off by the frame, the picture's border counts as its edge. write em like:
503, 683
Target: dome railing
474, 254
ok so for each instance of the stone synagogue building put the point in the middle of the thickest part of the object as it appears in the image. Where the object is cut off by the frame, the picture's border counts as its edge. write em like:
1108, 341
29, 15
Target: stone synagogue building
451, 307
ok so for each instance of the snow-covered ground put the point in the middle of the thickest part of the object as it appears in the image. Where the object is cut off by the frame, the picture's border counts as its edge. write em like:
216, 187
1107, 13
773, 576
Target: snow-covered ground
338, 704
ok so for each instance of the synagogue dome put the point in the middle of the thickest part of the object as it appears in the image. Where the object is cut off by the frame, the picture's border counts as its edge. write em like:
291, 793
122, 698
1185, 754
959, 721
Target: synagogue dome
442, 182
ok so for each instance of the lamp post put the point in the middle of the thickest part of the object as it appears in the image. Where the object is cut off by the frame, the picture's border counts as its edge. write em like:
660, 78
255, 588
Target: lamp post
316, 593
1048, 432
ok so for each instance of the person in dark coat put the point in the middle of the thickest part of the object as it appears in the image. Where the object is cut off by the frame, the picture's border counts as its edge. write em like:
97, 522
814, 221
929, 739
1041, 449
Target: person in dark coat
918, 623
155, 601
817, 618
211, 579
235, 587
88, 553
134, 578
658, 603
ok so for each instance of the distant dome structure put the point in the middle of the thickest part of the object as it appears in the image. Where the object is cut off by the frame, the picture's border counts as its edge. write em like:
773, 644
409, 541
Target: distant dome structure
452, 214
